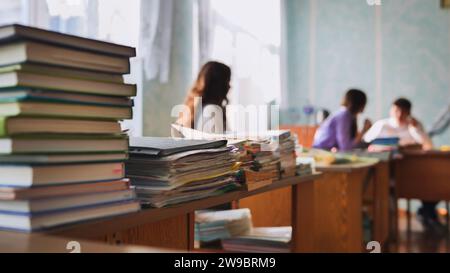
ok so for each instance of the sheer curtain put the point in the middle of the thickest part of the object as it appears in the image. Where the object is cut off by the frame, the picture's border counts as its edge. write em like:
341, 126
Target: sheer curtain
205, 30
246, 35
156, 38
116, 21
30, 12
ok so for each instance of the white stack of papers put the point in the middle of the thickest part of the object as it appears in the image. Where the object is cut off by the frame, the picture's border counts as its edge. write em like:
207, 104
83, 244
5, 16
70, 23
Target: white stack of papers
189, 172
217, 225
261, 240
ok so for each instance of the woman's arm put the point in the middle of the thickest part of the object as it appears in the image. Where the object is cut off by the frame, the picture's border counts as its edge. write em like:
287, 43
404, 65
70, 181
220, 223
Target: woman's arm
343, 133
360, 136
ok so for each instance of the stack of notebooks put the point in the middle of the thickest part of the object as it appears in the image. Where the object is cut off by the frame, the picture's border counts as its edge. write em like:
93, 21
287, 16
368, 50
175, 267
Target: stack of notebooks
265, 166
384, 144
305, 166
284, 144
265, 157
274, 158
62, 150
216, 225
169, 171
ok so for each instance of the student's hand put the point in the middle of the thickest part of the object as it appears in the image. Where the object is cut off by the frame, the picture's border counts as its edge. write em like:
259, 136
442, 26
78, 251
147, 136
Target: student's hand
414, 122
367, 125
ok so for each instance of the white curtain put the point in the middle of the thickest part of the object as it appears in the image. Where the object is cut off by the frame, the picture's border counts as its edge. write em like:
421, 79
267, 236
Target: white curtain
36, 13
205, 30
92, 19
29, 12
156, 38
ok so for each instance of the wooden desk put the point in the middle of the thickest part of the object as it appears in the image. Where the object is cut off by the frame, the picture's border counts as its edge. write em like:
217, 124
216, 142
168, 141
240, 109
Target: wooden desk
166, 227
422, 175
329, 209
13, 242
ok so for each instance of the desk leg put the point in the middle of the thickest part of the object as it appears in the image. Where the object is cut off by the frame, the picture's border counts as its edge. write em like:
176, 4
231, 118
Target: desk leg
191, 231
302, 214
408, 216
381, 201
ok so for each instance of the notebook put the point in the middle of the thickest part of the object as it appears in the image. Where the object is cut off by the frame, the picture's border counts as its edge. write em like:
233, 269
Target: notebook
44, 109
10, 126
155, 146
63, 72
11, 193
50, 220
47, 205
59, 145
21, 79
27, 176
28, 94
40, 159
27, 51
17, 32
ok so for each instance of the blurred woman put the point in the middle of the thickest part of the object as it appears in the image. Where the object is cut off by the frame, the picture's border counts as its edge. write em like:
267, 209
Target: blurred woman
207, 99
340, 131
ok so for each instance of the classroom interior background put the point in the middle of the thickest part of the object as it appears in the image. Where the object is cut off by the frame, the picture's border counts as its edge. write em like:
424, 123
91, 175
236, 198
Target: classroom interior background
294, 53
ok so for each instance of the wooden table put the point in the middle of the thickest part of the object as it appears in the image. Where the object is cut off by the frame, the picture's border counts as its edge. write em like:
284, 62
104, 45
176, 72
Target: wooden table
329, 216
14, 242
422, 175
167, 227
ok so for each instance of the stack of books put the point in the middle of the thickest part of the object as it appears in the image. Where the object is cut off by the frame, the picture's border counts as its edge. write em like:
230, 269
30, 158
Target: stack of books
265, 166
305, 166
274, 158
169, 171
283, 143
216, 225
260, 240
62, 150
265, 157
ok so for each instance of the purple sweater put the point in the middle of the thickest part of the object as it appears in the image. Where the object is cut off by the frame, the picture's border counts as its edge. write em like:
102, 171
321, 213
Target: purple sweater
335, 132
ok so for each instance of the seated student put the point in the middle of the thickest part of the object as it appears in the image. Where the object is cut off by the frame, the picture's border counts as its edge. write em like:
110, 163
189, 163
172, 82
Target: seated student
340, 130
207, 98
403, 125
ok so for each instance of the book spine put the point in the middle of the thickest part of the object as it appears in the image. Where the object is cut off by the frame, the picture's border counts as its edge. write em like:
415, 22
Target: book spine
3, 126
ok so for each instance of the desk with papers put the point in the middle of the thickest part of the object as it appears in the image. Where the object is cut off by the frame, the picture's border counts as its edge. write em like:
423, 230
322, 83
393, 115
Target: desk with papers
330, 209
173, 227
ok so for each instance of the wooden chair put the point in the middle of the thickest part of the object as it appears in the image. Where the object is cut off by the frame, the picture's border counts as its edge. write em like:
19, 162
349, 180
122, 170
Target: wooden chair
305, 133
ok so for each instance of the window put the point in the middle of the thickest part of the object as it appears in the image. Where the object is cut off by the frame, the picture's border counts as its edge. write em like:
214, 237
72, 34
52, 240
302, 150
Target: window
246, 40
116, 21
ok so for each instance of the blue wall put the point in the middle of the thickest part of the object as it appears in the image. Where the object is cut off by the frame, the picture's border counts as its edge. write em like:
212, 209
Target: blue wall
403, 45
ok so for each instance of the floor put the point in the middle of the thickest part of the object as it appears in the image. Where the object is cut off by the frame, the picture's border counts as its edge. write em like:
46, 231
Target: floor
419, 241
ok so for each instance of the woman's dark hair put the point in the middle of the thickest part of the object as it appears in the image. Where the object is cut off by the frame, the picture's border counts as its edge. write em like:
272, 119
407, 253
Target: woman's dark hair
355, 101
212, 84
404, 104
